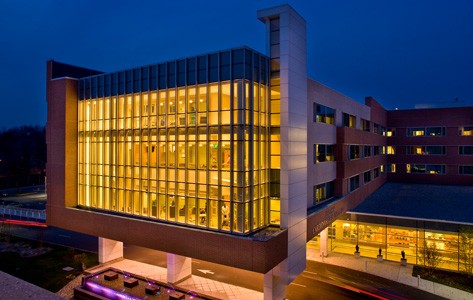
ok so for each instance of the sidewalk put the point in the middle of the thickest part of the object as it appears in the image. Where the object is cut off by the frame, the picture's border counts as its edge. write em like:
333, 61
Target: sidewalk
390, 270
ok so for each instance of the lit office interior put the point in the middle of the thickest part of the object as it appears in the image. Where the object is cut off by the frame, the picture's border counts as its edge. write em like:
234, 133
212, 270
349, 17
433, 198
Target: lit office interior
196, 154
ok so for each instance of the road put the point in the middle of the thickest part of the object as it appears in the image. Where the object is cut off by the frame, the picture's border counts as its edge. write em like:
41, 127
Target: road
58, 236
366, 286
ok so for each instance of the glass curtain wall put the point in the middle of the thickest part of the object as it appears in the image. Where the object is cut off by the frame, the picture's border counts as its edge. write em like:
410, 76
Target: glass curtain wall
194, 154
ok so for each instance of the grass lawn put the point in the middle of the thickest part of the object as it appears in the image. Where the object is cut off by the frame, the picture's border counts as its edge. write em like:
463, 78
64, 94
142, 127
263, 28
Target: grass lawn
456, 280
45, 270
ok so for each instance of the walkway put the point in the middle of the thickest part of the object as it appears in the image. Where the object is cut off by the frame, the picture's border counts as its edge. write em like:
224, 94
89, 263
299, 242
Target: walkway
195, 283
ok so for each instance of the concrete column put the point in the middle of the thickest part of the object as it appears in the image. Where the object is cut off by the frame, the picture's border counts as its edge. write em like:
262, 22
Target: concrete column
179, 267
274, 284
109, 250
324, 242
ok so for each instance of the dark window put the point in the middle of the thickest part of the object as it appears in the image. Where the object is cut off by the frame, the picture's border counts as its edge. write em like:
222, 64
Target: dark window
81, 89
376, 172
114, 83
353, 152
354, 183
376, 150
376, 128
154, 77
366, 125
366, 177
100, 86
107, 85
202, 69
136, 80
366, 151
466, 150
466, 170
171, 74
162, 76
145, 79
129, 81
225, 65
191, 71
435, 131
87, 88
181, 72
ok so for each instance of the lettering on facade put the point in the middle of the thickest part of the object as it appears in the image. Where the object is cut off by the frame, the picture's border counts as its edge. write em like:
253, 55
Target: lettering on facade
330, 214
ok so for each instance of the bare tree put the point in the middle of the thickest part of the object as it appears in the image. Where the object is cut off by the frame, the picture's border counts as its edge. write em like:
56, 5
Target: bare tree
430, 256
466, 249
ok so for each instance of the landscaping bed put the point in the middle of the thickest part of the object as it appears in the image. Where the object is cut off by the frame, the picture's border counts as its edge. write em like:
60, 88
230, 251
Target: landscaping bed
453, 279
48, 266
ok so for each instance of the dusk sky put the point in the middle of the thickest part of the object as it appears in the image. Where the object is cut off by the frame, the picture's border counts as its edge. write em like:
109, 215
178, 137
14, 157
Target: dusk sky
399, 52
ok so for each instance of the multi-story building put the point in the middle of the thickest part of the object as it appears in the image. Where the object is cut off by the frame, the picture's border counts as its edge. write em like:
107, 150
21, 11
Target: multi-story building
431, 141
233, 157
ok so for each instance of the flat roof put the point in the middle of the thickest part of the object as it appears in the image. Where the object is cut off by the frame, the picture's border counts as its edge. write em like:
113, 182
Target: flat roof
421, 201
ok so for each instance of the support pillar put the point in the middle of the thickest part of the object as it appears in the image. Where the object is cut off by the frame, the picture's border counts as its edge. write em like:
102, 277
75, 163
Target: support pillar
109, 250
274, 284
178, 267
324, 242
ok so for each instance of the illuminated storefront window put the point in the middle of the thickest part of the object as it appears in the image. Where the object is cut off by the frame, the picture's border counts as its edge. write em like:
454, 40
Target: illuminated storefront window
392, 240
195, 154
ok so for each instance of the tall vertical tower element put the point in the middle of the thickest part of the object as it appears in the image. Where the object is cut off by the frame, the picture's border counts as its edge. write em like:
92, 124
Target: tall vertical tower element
286, 44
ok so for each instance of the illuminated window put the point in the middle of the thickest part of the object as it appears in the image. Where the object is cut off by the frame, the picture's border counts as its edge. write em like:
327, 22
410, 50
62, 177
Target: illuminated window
466, 130
426, 131
166, 172
391, 168
349, 120
391, 132
426, 150
390, 150
323, 153
324, 114
324, 192
425, 169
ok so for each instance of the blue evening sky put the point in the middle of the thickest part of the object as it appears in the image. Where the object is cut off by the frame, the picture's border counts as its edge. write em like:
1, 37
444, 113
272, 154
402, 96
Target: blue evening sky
400, 52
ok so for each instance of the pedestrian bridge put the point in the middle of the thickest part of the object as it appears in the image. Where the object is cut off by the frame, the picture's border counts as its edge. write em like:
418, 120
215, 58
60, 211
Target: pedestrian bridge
22, 214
